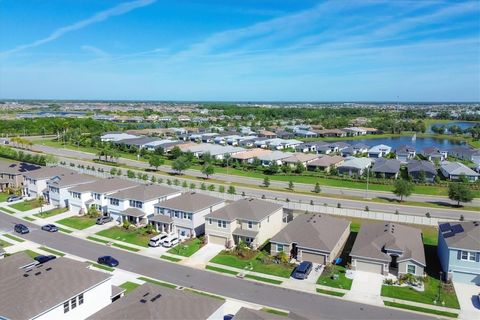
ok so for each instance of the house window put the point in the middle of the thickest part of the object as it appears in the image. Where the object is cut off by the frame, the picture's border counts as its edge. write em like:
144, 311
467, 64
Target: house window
468, 256
136, 204
221, 224
74, 303
66, 307
411, 269
75, 195
80, 299
114, 202
96, 196
279, 247
250, 224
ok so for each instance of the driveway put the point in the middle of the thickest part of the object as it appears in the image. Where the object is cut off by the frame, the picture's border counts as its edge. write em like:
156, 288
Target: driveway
204, 255
467, 295
309, 284
366, 288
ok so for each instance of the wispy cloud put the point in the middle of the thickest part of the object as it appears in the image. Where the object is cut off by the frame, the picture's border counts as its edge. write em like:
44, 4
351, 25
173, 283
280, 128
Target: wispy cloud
99, 53
98, 17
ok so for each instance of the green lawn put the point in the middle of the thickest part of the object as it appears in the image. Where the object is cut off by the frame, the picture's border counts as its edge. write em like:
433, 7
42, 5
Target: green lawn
173, 259
136, 236
206, 294
101, 266
7, 210
262, 279
77, 222
50, 213
342, 282
31, 254
129, 286
420, 309
121, 246
26, 205
332, 293
186, 248
275, 311
3, 196
221, 270
5, 244
97, 240
158, 283
13, 237
29, 218
256, 263
64, 230
52, 251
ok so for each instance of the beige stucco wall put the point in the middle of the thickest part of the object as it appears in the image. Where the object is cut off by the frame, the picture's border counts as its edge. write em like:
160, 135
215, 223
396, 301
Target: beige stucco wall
340, 244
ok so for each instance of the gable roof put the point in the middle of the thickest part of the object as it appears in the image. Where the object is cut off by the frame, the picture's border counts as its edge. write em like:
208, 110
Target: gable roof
374, 238
48, 172
17, 167
300, 157
326, 161
358, 163
458, 168
315, 231
190, 202
70, 180
144, 192
386, 166
106, 185
151, 302
247, 208
421, 165
467, 236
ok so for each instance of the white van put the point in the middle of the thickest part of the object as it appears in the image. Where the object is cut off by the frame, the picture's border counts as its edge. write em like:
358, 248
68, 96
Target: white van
157, 240
170, 242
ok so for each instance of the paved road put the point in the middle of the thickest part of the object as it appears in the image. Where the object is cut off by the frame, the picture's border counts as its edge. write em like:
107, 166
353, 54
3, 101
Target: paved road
310, 305
76, 156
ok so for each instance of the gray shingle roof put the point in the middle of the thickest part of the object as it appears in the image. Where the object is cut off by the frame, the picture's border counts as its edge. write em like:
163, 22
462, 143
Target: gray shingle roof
375, 237
105, 185
248, 209
149, 302
457, 168
48, 172
17, 167
190, 202
315, 231
386, 166
468, 239
421, 165
26, 297
144, 192
133, 212
70, 180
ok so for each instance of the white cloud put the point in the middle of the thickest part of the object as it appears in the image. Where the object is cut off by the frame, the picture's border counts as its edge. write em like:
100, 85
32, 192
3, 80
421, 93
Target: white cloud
95, 51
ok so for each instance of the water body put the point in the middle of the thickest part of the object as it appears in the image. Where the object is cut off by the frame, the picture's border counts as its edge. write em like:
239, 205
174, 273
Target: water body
462, 124
418, 143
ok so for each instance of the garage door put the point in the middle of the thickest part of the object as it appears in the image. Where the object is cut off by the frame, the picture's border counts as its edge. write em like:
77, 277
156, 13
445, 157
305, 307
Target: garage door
464, 277
217, 240
368, 267
313, 257
75, 209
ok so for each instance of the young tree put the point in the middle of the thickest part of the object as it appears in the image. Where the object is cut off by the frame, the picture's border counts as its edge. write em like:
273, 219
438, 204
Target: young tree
155, 161
300, 168
317, 188
291, 186
180, 164
221, 189
266, 182
460, 192
208, 170
403, 188
176, 152
231, 190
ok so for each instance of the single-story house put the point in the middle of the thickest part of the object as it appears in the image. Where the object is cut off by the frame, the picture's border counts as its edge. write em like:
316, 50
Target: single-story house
405, 153
331, 133
389, 168
354, 166
417, 168
249, 155
325, 163
318, 238
433, 154
355, 131
267, 134
116, 136
454, 170
274, 156
358, 148
297, 158
387, 247
464, 153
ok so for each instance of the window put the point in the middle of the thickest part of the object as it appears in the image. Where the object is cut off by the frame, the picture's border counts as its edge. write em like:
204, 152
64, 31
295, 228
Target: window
411, 269
136, 204
209, 221
75, 195
96, 196
80, 299
114, 202
250, 224
74, 302
221, 224
279, 247
66, 307
468, 256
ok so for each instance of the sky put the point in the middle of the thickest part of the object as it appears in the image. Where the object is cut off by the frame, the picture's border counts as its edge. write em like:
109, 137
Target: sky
248, 50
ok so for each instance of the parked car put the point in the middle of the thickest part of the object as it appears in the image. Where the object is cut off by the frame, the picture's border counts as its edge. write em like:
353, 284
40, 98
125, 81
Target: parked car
157, 240
104, 219
170, 242
108, 261
50, 228
43, 259
14, 198
302, 271
228, 317
21, 228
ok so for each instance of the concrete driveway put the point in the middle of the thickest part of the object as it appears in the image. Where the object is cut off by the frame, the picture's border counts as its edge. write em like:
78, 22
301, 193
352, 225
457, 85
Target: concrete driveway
204, 255
366, 288
467, 295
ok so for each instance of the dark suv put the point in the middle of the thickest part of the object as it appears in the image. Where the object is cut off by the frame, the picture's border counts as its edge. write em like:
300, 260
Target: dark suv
104, 219
302, 271
21, 228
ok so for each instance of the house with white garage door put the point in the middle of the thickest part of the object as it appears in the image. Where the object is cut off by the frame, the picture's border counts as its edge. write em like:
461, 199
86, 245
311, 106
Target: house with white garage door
249, 220
459, 251
318, 238
35, 182
58, 187
388, 248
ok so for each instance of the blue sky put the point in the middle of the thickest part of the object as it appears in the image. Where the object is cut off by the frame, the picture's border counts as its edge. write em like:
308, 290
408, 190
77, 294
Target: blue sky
272, 50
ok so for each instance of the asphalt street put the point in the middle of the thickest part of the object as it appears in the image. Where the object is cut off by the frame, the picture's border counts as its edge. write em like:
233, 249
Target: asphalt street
309, 305
76, 156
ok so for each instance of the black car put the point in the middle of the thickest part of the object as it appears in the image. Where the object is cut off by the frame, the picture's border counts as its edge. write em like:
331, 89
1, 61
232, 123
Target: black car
43, 259
302, 271
108, 261
104, 219
50, 228
21, 228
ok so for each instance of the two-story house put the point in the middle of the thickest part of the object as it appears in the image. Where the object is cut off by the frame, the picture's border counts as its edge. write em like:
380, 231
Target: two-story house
459, 251
252, 221
11, 174
35, 182
58, 187
134, 204
85, 195
185, 214
379, 151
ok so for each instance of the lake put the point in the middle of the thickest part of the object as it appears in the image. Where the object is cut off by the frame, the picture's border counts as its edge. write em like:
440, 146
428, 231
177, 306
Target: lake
419, 143
462, 124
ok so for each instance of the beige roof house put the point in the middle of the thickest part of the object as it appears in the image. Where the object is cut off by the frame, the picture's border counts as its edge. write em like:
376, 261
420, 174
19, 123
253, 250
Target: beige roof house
250, 154
302, 158
325, 163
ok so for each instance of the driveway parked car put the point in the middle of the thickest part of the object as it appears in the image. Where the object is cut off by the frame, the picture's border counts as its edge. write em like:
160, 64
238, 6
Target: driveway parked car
157, 240
108, 261
170, 242
104, 219
21, 228
14, 198
302, 271
43, 259
50, 228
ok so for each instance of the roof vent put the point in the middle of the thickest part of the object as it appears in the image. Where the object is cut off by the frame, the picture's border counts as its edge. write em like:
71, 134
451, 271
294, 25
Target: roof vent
143, 301
38, 273
25, 275
146, 294
48, 269
156, 297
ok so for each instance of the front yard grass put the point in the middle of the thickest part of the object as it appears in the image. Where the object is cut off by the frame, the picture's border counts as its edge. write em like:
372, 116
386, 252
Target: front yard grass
158, 283
29, 218
50, 213
326, 278
5, 244
172, 259
9, 236
420, 309
7, 210
262, 279
97, 240
137, 236
187, 248
26, 205
101, 266
255, 263
77, 222
331, 293
32, 254
275, 311
121, 246
221, 270
52, 251
129, 286
3, 196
